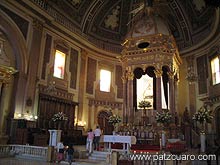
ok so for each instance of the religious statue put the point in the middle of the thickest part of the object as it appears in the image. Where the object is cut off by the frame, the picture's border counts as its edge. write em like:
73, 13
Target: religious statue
186, 116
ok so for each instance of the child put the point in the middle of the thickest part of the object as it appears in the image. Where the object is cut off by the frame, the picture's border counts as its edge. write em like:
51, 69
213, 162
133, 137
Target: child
70, 152
90, 137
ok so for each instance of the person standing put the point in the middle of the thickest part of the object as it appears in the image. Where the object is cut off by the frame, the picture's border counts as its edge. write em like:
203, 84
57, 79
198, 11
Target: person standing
97, 135
70, 152
60, 151
90, 137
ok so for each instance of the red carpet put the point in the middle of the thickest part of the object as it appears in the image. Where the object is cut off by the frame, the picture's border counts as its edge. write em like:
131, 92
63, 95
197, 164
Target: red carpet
145, 148
138, 147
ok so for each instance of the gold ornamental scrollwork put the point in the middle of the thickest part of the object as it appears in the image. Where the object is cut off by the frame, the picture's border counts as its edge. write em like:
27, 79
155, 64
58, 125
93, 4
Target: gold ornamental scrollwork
6, 73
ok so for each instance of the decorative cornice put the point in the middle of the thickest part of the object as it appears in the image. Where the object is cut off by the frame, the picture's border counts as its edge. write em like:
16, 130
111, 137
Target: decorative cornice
111, 105
56, 93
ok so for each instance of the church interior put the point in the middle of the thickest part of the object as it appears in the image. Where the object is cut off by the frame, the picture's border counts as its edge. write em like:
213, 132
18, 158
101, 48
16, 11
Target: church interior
91, 60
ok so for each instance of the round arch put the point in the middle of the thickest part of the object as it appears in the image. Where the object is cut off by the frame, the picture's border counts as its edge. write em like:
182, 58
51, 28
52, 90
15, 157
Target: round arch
17, 41
19, 47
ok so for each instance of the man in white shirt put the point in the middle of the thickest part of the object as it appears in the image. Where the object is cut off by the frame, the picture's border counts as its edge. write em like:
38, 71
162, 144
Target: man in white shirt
97, 133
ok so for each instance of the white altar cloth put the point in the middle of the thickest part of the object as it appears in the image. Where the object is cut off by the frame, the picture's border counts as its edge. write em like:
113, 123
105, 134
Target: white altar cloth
119, 139
128, 140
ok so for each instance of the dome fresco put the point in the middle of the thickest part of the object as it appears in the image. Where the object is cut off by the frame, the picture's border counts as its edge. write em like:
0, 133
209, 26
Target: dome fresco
149, 25
105, 24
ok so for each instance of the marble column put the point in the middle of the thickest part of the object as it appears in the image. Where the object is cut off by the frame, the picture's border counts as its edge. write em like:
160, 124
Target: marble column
124, 108
130, 104
171, 92
158, 73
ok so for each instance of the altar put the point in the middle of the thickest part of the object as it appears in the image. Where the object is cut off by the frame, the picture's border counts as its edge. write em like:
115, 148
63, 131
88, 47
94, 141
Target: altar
127, 141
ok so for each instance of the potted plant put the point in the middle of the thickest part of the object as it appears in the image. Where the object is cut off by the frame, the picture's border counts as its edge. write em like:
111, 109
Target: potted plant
164, 117
203, 115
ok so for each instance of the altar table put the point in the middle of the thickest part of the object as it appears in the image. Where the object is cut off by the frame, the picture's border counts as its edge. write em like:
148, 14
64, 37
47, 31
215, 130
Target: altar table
127, 141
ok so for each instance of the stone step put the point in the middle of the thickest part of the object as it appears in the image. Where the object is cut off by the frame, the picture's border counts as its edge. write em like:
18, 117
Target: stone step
30, 157
99, 155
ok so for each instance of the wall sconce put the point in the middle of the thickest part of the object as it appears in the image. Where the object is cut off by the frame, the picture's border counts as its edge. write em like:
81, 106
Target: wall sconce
81, 123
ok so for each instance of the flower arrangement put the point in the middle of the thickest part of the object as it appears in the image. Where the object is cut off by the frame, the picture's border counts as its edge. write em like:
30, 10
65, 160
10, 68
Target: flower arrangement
60, 116
144, 104
114, 119
203, 115
164, 117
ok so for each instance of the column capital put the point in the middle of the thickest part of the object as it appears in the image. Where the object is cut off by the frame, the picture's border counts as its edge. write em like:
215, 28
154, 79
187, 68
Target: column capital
37, 24
171, 74
158, 73
130, 75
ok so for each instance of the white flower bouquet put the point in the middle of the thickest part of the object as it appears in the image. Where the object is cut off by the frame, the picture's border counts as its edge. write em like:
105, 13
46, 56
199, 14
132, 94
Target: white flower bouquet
60, 116
163, 117
114, 119
203, 115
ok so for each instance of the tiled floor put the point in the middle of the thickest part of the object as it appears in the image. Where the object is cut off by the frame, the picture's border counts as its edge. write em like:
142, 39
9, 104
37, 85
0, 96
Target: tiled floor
18, 161
15, 161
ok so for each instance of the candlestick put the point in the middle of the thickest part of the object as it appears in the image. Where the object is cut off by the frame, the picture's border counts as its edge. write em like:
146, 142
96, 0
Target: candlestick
160, 144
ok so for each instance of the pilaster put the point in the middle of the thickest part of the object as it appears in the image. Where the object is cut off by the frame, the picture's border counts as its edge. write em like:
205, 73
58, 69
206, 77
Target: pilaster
35, 52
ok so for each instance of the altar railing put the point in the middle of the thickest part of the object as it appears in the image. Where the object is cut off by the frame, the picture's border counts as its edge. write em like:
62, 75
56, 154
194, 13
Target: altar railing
24, 150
